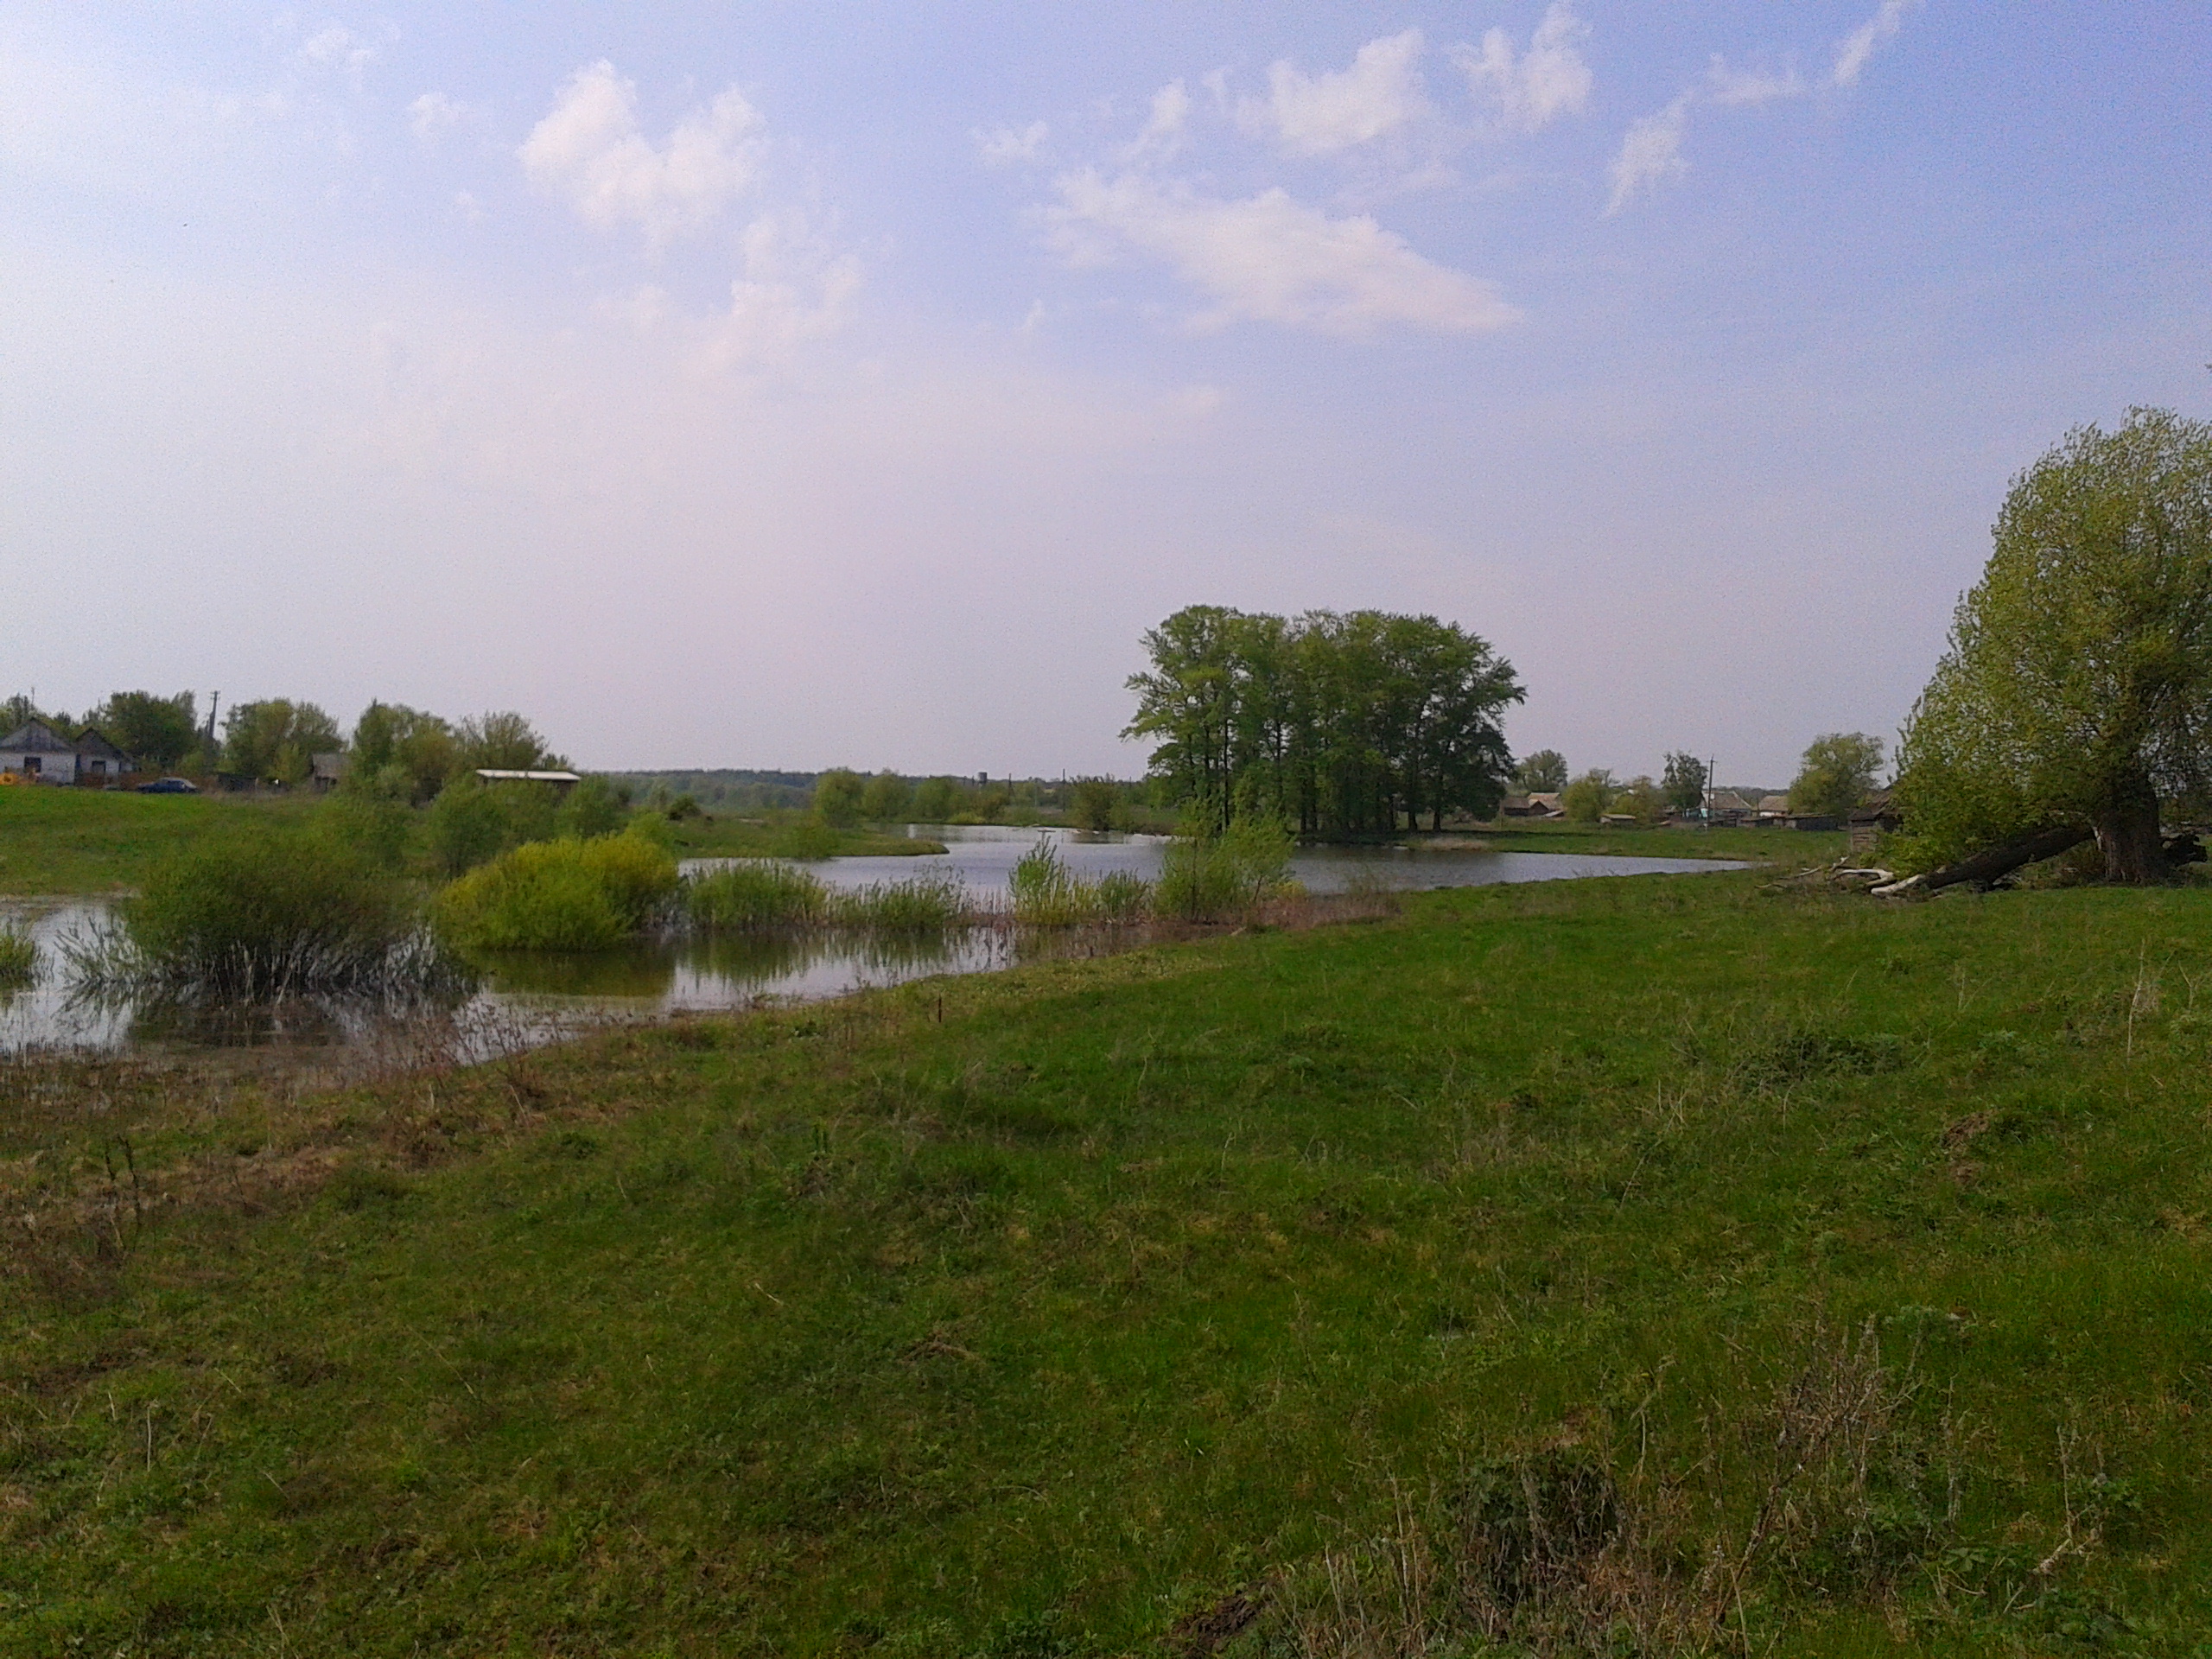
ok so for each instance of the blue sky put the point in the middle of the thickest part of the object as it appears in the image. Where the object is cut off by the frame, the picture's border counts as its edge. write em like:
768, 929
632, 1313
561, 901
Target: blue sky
807, 385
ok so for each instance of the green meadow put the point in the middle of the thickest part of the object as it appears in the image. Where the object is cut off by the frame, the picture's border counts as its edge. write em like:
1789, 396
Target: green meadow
84, 840
1657, 1265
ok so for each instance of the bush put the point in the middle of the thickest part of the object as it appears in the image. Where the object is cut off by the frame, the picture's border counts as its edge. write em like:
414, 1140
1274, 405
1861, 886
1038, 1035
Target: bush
1588, 798
1123, 897
755, 895
886, 799
1093, 804
1225, 876
18, 959
372, 819
805, 838
261, 913
595, 807
559, 895
471, 823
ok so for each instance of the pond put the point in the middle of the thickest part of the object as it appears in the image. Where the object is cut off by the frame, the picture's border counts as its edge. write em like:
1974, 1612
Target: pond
539, 998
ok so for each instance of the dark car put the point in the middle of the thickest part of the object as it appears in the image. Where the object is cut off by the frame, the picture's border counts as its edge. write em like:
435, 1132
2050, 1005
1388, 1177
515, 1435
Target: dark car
169, 786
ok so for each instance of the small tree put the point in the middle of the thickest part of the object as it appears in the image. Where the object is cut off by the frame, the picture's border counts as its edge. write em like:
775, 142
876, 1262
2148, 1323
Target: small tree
504, 741
1836, 774
886, 799
838, 798
1586, 800
1542, 772
1641, 799
1682, 785
1093, 804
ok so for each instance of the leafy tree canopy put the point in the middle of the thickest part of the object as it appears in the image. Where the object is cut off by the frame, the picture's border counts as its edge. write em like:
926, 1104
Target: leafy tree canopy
275, 738
1836, 774
157, 731
1683, 784
1543, 773
1589, 796
2077, 685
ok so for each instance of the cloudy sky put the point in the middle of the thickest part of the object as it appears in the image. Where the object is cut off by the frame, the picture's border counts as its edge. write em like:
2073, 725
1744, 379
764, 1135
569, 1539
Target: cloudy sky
801, 385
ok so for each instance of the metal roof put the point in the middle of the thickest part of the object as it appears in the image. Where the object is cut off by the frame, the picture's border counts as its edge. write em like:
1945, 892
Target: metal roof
36, 737
498, 775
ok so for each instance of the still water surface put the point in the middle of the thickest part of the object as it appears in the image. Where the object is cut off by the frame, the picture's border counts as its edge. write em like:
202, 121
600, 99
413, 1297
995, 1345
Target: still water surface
550, 995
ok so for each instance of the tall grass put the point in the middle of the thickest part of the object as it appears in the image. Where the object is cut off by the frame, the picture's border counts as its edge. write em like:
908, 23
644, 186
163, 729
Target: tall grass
754, 896
1046, 893
559, 895
18, 959
268, 914
919, 905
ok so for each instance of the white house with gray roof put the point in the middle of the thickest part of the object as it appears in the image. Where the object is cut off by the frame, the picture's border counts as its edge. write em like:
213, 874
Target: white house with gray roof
35, 751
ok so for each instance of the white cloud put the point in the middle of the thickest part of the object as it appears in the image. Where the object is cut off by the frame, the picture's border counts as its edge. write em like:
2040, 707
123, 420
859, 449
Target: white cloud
1739, 87
433, 115
1652, 151
1319, 115
336, 47
1862, 42
1272, 259
1548, 81
589, 149
793, 291
1164, 130
1003, 146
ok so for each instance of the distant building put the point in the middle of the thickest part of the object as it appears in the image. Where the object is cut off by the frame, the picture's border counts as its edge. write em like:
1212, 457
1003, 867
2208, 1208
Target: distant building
561, 782
1542, 804
1872, 818
1773, 808
35, 751
325, 772
1727, 806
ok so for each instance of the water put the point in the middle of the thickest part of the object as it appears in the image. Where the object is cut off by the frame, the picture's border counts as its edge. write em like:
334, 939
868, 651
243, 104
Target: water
542, 997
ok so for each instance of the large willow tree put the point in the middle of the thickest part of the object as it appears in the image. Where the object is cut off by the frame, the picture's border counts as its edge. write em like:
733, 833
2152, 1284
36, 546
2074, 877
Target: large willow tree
2076, 693
1354, 724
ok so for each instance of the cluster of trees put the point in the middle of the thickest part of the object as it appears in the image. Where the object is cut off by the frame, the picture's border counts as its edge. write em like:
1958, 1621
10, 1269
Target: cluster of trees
276, 738
1595, 793
1350, 724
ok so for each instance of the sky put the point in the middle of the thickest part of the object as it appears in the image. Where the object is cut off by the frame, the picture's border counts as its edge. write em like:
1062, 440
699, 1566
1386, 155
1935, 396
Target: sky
805, 385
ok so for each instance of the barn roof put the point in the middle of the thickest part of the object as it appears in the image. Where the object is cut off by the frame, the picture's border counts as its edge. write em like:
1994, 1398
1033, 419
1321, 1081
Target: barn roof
92, 741
36, 737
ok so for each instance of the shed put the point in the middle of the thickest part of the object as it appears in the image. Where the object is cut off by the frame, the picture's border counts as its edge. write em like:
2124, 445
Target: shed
1873, 818
1543, 804
560, 782
324, 770
35, 751
1773, 808
98, 758
1727, 806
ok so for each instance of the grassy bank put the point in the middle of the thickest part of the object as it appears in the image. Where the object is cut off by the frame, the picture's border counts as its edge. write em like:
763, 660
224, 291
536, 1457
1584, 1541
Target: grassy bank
791, 835
1784, 1272
73, 841
1790, 848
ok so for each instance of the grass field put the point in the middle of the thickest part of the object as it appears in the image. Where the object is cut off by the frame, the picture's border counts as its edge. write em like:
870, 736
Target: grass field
1633, 1264
1787, 848
84, 841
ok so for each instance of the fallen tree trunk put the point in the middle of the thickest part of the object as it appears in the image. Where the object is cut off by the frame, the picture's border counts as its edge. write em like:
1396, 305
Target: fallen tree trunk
1989, 866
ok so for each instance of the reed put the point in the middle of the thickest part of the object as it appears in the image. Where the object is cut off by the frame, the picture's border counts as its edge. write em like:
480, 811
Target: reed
753, 896
1046, 893
1224, 877
919, 905
18, 959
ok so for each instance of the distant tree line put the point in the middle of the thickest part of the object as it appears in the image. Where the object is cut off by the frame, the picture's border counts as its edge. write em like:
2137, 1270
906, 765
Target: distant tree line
1350, 724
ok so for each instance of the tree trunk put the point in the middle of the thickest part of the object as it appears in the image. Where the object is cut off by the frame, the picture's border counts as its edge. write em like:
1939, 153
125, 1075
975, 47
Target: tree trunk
2127, 835
1998, 861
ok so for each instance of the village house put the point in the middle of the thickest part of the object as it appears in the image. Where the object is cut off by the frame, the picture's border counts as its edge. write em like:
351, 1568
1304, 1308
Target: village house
562, 782
35, 752
1543, 804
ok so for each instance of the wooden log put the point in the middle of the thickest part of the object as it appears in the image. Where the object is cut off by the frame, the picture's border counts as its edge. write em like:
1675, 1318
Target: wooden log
1989, 866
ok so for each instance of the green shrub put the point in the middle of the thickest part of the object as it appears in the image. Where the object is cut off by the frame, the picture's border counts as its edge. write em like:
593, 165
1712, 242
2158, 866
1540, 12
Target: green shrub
18, 959
755, 895
1226, 876
470, 823
559, 895
260, 913
593, 807
838, 798
370, 819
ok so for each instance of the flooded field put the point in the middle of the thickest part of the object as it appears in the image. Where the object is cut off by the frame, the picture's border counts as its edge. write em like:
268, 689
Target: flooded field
539, 998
